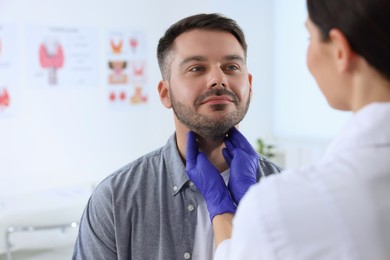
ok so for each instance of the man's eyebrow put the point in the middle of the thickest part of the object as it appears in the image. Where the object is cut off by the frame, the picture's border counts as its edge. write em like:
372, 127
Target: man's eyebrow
191, 58
202, 58
234, 58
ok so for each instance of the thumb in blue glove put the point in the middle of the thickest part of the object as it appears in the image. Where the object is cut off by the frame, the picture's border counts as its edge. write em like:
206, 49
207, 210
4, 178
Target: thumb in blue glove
207, 180
243, 161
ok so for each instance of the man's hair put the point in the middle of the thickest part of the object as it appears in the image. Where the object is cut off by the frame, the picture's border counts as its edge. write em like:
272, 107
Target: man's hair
213, 22
365, 23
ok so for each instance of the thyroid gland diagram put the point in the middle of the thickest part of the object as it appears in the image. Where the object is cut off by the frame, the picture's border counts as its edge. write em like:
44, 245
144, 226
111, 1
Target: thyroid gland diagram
133, 42
117, 64
4, 99
51, 57
117, 75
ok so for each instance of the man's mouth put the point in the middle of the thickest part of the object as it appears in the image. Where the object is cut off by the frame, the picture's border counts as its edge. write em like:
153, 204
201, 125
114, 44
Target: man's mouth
217, 100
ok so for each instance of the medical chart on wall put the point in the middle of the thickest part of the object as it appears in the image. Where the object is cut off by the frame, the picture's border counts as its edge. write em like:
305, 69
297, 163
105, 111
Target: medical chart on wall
8, 69
60, 56
126, 67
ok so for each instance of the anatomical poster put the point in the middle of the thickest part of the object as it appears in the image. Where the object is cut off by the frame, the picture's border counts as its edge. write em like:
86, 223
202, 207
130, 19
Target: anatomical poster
126, 67
9, 59
61, 56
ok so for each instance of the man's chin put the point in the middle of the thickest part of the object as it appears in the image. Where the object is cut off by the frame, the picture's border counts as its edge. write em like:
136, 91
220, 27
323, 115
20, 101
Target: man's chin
218, 110
212, 133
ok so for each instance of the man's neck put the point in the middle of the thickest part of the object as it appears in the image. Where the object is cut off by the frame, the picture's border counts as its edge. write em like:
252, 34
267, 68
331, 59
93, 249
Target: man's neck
212, 149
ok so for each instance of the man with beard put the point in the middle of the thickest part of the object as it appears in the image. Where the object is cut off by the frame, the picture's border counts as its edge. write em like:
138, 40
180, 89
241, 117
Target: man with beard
149, 209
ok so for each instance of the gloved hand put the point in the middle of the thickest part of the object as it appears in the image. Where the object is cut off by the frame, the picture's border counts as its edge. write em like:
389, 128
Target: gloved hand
243, 161
207, 180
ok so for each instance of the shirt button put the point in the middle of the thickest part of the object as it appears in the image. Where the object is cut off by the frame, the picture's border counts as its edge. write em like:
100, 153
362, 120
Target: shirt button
190, 207
191, 184
175, 188
187, 255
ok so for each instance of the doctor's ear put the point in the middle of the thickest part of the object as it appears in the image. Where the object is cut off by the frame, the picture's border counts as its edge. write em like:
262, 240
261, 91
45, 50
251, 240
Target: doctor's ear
343, 53
163, 91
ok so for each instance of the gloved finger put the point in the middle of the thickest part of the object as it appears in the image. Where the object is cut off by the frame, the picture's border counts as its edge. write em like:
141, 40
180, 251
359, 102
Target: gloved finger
238, 140
229, 145
235, 137
227, 156
192, 150
202, 160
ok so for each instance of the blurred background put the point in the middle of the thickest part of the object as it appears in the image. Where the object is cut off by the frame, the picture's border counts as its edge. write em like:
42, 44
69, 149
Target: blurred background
78, 100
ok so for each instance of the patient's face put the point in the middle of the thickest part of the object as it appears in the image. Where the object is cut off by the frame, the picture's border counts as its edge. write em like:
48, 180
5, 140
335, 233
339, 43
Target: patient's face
209, 86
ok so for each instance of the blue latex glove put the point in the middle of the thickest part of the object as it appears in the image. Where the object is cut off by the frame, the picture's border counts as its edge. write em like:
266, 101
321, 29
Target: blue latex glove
243, 161
207, 180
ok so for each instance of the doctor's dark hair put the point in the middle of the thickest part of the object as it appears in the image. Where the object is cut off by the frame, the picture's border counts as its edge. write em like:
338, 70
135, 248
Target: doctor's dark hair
365, 23
211, 22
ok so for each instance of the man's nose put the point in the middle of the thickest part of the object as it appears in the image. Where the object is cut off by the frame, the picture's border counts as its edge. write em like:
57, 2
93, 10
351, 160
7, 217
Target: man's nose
217, 79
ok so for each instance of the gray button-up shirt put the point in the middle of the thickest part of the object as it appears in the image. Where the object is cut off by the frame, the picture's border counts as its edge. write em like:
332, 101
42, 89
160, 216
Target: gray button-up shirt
141, 211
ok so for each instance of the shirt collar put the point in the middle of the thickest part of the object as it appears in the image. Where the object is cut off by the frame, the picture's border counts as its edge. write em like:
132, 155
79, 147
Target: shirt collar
175, 166
369, 126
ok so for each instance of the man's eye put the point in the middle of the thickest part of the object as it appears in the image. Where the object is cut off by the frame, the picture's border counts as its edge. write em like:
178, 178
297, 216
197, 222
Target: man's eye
232, 67
195, 69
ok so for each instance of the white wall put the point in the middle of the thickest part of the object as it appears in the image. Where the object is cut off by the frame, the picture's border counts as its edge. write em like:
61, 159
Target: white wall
57, 136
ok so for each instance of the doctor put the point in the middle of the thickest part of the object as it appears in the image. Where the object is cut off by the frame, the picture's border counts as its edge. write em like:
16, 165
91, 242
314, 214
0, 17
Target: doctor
338, 208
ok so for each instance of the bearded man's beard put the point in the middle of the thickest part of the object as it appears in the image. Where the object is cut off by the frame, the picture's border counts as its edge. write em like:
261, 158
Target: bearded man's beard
207, 126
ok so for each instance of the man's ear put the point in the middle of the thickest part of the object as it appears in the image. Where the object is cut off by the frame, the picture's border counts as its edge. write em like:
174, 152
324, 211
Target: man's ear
163, 91
343, 53
250, 85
